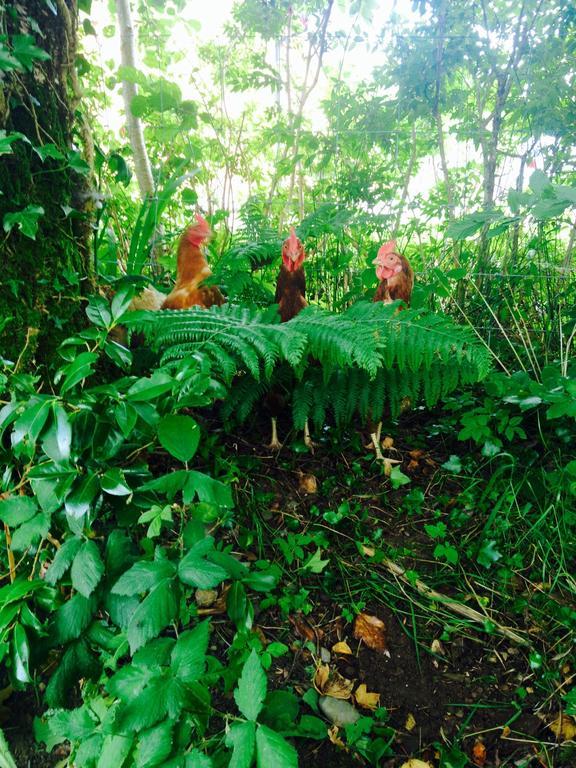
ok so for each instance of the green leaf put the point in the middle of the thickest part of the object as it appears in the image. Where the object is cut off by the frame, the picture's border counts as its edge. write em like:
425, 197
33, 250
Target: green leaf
242, 739
113, 482
155, 613
65, 725
63, 560
179, 435
58, 437
75, 664
154, 746
20, 655
207, 489
7, 139
30, 532
150, 388
12, 593
539, 182
126, 417
315, 564
16, 510
197, 759
73, 618
189, 654
87, 569
488, 554
237, 604
273, 749
32, 421
26, 220
194, 569
98, 312
81, 496
251, 690
115, 750
280, 709
142, 577
454, 464
27, 53
78, 370
48, 150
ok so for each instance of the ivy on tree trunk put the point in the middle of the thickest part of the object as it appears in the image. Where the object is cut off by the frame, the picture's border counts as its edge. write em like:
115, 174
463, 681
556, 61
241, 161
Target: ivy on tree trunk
44, 205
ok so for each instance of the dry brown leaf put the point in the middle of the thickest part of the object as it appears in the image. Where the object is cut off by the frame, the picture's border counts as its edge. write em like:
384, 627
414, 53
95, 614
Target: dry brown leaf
479, 754
368, 551
564, 728
388, 442
205, 597
506, 731
302, 628
415, 763
366, 699
410, 723
342, 647
437, 647
372, 631
335, 739
307, 483
330, 682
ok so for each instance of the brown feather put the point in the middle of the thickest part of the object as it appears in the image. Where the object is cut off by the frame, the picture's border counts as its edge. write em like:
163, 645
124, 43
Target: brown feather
397, 287
290, 293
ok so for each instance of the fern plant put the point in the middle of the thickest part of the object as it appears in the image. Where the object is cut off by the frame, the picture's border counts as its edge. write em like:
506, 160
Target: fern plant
359, 362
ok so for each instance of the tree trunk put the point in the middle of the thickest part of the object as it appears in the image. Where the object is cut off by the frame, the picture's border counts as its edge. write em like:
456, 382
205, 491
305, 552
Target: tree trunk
142, 167
43, 272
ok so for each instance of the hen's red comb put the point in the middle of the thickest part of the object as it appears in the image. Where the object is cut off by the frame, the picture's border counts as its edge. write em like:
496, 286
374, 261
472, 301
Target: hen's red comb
389, 247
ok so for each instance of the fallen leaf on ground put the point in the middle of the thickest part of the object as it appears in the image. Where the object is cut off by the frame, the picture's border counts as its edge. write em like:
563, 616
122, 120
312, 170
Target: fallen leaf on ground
329, 682
307, 483
564, 728
415, 763
479, 754
388, 442
342, 647
335, 739
437, 647
368, 551
302, 628
372, 631
366, 699
410, 723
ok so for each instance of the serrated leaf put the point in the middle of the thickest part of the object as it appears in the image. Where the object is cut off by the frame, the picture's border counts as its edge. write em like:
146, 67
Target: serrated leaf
115, 750
242, 739
154, 746
87, 569
179, 435
251, 690
76, 663
64, 725
30, 532
201, 573
16, 510
273, 749
73, 618
155, 613
62, 560
197, 759
142, 577
189, 654
146, 708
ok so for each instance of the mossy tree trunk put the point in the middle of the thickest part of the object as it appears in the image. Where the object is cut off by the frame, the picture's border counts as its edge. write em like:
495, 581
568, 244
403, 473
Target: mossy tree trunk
43, 181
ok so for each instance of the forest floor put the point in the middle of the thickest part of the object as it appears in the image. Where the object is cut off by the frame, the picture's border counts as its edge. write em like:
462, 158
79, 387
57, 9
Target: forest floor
452, 690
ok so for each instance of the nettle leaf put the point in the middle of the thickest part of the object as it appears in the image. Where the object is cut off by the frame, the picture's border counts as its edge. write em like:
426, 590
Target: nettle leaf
64, 725
179, 435
251, 690
63, 560
142, 577
30, 532
115, 750
87, 569
189, 654
73, 618
273, 749
26, 220
16, 510
242, 739
195, 570
155, 613
76, 663
197, 759
154, 745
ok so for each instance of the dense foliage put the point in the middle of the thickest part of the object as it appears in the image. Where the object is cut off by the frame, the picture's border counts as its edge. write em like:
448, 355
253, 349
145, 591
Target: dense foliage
141, 547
